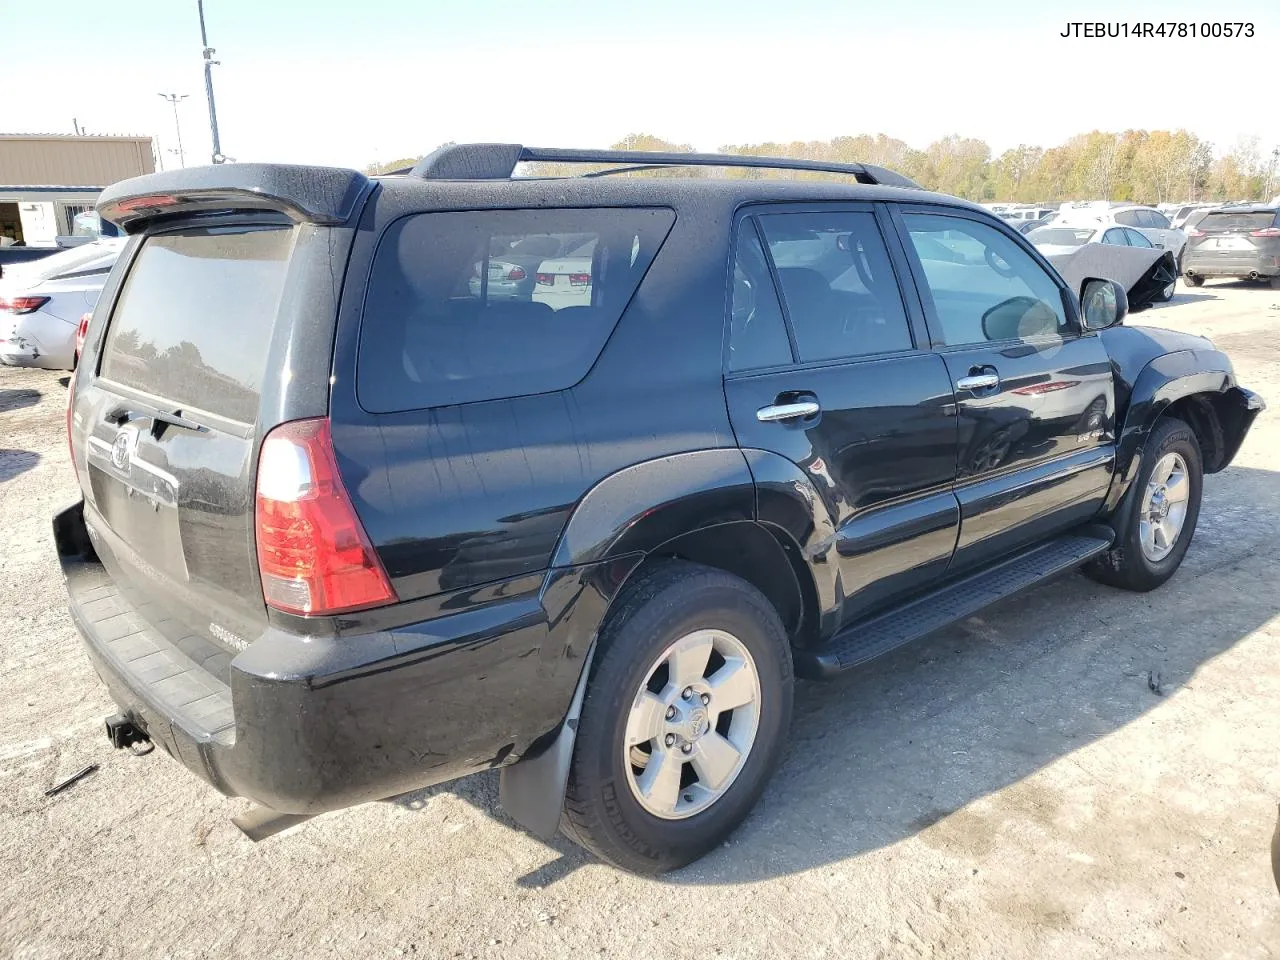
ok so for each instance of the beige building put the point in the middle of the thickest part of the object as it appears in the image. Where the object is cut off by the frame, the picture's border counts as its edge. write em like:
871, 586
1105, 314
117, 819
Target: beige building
47, 180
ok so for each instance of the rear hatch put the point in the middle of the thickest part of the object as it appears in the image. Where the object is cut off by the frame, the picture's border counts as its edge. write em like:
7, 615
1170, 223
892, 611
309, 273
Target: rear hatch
200, 352
1238, 235
168, 451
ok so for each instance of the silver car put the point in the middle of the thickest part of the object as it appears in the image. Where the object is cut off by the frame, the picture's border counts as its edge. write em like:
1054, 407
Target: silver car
41, 304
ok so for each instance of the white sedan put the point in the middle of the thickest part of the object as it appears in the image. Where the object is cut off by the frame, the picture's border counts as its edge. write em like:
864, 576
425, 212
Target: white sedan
1149, 222
41, 304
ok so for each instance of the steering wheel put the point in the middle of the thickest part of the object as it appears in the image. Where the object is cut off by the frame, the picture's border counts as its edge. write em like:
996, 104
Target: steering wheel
995, 261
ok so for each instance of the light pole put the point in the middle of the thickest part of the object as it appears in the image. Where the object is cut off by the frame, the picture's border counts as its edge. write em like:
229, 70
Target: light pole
209, 64
173, 98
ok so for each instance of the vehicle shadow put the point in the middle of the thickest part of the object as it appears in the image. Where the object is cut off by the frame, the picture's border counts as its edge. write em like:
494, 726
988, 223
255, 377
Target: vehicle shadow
901, 746
18, 399
15, 462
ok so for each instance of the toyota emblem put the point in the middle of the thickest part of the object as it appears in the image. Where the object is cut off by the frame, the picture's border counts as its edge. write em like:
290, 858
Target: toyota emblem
122, 449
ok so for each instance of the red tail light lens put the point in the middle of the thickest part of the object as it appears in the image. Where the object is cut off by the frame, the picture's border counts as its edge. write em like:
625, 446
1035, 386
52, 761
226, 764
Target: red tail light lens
1266, 232
313, 554
82, 331
1193, 232
22, 304
579, 279
546, 279
516, 273
71, 401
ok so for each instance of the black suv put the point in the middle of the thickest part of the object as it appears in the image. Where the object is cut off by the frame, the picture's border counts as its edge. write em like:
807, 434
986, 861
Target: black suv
1240, 242
352, 525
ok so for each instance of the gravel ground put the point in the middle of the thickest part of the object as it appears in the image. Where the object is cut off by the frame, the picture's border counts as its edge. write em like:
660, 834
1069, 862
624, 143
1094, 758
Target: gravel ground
1010, 787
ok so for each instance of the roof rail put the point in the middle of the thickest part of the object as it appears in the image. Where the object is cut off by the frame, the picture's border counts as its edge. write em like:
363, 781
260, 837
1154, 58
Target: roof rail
497, 161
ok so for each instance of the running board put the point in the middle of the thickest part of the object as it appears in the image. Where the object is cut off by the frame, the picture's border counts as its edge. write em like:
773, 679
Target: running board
875, 636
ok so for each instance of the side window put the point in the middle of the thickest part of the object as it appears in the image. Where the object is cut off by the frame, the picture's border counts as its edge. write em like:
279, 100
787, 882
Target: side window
757, 334
838, 284
1136, 239
984, 286
1114, 236
1128, 218
483, 305
1155, 219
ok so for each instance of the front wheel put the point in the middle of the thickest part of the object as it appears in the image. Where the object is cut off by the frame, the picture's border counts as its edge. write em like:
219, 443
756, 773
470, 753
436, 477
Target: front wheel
685, 717
1159, 529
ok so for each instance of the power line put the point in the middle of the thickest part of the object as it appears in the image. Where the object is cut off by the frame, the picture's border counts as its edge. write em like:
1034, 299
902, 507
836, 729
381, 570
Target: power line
173, 98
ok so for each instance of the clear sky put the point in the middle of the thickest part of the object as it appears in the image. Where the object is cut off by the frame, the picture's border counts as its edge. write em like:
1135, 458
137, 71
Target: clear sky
347, 83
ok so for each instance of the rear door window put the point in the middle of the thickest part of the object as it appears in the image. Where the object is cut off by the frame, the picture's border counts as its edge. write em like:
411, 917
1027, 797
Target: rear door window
1136, 239
193, 322
757, 333
485, 305
1128, 218
838, 284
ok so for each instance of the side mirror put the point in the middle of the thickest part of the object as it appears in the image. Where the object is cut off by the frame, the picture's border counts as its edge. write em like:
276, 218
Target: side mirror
1103, 303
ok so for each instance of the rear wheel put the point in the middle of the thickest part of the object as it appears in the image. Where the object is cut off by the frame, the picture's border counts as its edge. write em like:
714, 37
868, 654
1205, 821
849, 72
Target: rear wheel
1163, 521
1193, 281
1275, 283
684, 719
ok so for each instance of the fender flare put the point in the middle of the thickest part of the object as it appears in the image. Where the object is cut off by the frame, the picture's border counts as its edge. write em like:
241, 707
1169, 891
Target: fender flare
1164, 381
614, 525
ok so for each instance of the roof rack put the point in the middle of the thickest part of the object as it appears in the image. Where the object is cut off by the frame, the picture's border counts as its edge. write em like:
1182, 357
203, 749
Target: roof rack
497, 161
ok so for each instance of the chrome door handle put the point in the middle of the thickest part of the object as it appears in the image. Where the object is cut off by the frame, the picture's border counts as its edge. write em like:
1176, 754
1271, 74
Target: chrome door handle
788, 411
978, 381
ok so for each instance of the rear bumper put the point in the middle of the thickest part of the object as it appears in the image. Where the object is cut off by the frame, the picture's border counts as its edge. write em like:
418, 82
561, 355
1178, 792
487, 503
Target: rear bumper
1201, 266
308, 724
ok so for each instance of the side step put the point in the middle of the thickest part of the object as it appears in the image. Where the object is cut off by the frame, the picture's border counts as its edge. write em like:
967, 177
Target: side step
867, 639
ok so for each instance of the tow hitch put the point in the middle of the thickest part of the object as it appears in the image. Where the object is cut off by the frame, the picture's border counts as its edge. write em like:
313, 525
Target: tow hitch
123, 732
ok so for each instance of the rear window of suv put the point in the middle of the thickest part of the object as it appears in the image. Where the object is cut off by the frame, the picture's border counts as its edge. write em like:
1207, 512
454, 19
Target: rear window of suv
1239, 221
193, 321
491, 304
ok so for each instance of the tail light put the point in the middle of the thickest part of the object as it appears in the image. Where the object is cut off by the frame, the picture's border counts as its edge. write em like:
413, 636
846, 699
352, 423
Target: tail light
516, 273
22, 304
1265, 232
546, 279
579, 279
314, 556
1193, 232
82, 331
71, 402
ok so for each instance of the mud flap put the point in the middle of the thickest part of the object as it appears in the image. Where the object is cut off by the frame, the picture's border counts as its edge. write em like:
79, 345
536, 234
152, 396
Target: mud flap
532, 790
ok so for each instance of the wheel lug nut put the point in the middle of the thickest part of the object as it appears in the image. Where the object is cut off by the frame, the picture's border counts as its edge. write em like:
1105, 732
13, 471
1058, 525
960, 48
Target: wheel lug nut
687, 748
669, 739
688, 693
706, 698
671, 713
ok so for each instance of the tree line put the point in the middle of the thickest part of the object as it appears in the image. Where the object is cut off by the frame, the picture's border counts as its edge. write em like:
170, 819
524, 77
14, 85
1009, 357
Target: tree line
1147, 166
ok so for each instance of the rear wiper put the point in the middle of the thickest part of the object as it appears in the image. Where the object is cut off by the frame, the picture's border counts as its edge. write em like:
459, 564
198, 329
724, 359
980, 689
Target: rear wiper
159, 419
176, 419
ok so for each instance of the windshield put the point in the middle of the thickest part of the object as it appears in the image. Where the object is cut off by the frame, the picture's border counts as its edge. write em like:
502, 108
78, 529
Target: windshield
68, 261
1060, 236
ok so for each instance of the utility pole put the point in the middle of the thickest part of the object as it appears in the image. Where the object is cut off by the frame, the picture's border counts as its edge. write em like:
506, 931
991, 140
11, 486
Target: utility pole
173, 98
209, 64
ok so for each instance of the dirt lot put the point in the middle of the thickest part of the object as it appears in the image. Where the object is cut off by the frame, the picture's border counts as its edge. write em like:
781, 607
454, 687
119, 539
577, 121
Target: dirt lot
1009, 788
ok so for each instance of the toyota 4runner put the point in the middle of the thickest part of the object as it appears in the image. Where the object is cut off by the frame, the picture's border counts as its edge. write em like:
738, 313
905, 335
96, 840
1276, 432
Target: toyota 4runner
388, 481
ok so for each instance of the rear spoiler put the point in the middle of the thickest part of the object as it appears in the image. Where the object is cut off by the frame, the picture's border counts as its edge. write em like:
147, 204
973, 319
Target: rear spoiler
325, 195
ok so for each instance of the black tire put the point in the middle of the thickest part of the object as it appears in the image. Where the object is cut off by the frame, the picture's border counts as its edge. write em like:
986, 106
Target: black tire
1193, 281
1167, 293
1126, 565
1275, 283
668, 601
